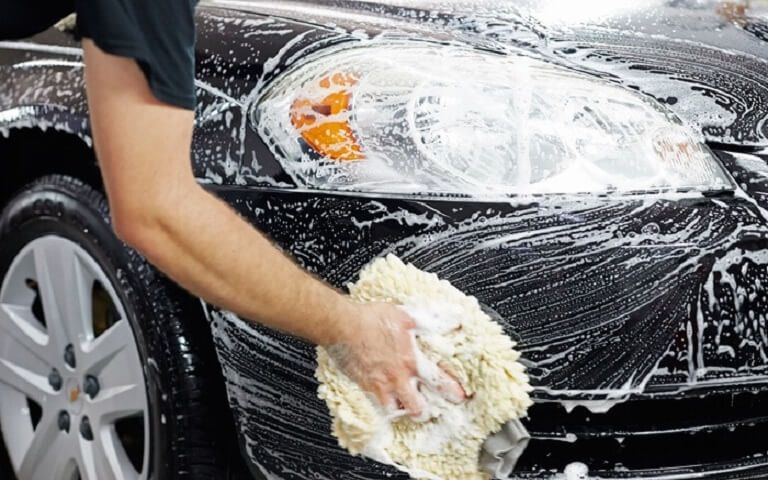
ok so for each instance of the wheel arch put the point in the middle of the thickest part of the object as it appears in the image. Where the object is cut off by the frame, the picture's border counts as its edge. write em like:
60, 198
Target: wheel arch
30, 152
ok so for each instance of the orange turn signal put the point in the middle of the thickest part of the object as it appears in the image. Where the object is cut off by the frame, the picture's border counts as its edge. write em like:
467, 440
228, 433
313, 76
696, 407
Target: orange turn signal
321, 115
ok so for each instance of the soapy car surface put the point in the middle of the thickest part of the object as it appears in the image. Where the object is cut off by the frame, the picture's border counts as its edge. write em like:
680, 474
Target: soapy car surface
642, 318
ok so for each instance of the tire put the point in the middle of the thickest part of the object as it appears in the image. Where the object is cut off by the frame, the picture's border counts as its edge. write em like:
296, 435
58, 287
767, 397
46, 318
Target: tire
186, 428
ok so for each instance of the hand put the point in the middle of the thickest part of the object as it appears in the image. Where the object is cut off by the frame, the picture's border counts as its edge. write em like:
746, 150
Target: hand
381, 356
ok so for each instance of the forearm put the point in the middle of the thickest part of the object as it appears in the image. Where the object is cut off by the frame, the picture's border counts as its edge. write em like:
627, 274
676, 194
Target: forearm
159, 209
206, 247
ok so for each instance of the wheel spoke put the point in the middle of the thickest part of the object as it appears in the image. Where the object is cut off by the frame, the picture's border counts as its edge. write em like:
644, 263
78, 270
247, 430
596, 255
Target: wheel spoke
107, 346
16, 323
104, 458
24, 372
47, 447
93, 465
56, 462
116, 456
64, 285
78, 308
45, 269
119, 402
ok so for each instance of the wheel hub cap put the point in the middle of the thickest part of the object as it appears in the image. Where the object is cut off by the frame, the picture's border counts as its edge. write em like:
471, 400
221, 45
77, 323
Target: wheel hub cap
73, 395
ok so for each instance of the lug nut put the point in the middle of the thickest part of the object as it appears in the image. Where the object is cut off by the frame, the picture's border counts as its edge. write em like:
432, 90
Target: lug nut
91, 386
69, 356
54, 380
64, 421
85, 429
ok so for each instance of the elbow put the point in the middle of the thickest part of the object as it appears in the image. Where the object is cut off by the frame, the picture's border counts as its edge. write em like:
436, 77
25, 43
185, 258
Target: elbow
139, 224
151, 222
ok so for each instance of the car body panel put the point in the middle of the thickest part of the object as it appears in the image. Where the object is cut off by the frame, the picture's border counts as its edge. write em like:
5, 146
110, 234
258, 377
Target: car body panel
616, 301
611, 300
41, 86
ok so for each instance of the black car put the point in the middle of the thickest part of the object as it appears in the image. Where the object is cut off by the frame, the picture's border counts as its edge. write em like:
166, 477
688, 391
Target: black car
595, 173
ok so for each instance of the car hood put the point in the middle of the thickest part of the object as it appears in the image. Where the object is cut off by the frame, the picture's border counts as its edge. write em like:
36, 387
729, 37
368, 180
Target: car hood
706, 60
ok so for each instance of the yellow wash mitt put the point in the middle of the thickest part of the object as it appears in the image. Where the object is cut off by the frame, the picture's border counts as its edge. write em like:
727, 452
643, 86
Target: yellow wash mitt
481, 356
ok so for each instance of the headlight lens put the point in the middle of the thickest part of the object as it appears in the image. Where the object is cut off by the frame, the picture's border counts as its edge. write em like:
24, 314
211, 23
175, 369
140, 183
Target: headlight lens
438, 119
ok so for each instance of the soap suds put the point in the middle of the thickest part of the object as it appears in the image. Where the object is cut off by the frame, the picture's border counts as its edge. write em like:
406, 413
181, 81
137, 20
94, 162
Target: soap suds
576, 471
451, 330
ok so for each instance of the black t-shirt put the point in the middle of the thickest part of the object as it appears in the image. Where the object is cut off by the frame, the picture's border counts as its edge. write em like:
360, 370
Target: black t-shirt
158, 34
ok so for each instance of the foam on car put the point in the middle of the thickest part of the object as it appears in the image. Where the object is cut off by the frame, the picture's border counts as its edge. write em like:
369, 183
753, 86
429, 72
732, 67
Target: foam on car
478, 353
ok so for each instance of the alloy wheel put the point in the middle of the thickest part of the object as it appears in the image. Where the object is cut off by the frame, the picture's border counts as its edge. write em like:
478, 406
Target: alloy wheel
73, 401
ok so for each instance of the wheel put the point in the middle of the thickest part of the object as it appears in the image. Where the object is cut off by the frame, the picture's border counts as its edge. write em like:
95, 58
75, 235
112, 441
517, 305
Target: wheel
107, 370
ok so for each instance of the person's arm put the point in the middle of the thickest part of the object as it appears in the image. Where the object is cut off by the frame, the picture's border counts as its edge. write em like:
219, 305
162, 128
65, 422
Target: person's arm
158, 208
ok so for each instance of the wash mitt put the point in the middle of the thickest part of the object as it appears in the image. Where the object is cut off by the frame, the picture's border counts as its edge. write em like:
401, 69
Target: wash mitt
450, 445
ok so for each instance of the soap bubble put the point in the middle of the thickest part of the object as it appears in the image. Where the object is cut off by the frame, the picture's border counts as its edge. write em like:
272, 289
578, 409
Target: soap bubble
576, 471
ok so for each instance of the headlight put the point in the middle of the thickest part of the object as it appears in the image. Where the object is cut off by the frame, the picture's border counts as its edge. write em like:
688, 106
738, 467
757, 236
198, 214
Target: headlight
433, 119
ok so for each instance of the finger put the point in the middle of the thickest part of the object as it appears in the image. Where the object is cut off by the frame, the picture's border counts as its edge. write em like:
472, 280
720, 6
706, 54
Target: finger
390, 406
451, 372
407, 320
448, 387
448, 368
385, 399
441, 382
436, 378
410, 398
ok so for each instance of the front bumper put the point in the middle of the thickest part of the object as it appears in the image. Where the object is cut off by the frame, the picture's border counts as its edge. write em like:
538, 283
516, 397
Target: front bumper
646, 304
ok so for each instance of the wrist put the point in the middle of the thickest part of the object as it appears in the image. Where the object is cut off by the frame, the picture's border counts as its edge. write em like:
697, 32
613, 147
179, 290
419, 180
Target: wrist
342, 323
